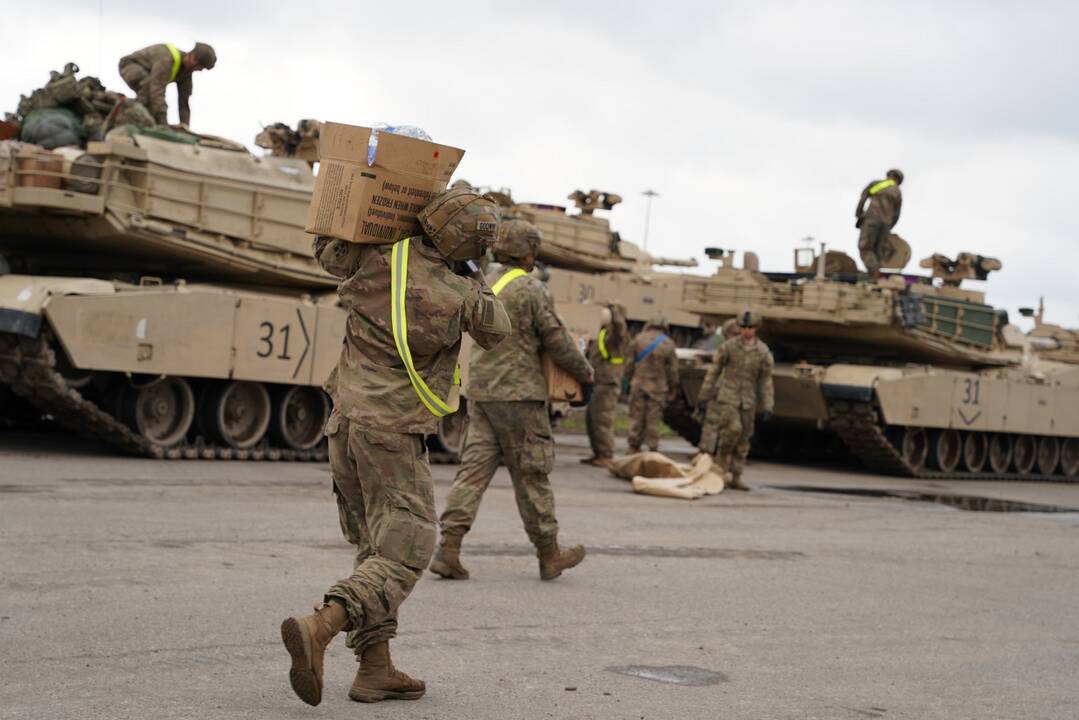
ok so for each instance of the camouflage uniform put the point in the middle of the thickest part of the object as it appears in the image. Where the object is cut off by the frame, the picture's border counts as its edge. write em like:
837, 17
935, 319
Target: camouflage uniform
507, 413
378, 459
737, 386
653, 381
147, 72
876, 221
601, 409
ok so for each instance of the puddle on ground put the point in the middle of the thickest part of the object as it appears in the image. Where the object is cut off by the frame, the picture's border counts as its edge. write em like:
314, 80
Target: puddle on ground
658, 551
672, 674
973, 503
16, 489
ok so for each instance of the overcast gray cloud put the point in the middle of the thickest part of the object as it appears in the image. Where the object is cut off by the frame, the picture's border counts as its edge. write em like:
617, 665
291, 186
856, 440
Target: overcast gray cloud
758, 123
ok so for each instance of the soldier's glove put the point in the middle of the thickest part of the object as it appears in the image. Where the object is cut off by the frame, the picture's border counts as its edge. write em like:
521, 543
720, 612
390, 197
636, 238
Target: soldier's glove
766, 416
586, 396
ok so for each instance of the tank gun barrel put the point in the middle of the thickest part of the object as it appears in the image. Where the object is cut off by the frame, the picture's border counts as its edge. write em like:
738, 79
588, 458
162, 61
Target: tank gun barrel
672, 262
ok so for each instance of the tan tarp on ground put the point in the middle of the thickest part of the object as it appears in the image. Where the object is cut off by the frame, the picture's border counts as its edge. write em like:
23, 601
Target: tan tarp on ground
654, 473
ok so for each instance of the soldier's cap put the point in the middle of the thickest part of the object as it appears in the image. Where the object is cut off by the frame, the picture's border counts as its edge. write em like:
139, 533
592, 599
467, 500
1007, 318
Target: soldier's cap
205, 54
518, 238
896, 174
747, 318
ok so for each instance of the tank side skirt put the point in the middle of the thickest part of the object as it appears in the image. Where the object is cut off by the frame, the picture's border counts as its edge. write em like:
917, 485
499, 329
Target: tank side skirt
28, 366
859, 427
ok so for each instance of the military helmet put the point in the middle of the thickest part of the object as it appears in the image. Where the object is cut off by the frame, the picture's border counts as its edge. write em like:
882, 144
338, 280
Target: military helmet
517, 239
748, 318
658, 321
205, 55
461, 223
897, 175
729, 328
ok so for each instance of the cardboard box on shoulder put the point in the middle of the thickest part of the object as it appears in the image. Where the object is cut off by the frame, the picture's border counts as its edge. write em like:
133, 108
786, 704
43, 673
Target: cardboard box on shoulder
376, 203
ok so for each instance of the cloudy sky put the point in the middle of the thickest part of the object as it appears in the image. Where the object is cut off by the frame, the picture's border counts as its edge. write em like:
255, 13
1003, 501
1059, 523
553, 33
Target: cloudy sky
757, 122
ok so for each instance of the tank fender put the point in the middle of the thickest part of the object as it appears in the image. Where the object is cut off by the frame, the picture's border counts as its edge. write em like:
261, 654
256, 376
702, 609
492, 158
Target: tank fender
23, 298
855, 382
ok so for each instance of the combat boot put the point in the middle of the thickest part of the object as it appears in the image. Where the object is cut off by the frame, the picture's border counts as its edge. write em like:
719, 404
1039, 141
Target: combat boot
306, 639
736, 480
552, 560
377, 679
447, 559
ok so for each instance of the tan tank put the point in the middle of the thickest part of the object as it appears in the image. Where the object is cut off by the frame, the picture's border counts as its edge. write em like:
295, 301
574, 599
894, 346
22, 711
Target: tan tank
146, 205
177, 370
157, 291
914, 375
589, 263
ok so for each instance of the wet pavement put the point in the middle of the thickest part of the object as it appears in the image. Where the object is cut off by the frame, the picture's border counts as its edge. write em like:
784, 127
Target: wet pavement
132, 588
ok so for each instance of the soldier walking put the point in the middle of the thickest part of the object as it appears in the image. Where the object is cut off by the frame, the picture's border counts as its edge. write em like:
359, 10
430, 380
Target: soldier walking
607, 354
876, 221
149, 70
508, 420
652, 371
737, 387
406, 312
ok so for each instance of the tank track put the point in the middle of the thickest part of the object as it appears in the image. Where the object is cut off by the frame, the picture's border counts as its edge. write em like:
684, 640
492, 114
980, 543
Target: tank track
28, 367
858, 425
679, 417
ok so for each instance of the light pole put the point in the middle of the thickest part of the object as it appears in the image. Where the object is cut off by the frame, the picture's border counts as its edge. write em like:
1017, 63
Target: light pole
647, 214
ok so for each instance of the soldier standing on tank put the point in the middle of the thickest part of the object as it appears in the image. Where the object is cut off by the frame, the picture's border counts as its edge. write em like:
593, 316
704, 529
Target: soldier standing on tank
407, 309
876, 221
149, 70
738, 386
652, 372
607, 354
508, 419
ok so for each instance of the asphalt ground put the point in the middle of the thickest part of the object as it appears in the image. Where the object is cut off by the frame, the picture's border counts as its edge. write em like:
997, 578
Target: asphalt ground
134, 588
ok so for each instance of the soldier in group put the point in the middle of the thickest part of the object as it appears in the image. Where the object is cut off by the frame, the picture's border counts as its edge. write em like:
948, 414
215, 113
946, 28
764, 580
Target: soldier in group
406, 309
508, 420
737, 387
876, 221
607, 354
149, 70
652, 372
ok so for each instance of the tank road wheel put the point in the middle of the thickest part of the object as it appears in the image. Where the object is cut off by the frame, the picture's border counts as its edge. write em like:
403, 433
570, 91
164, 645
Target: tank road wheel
947, 450
1048, 455
1069, 457
236, 413
161, 412
1025, 454
915, 447
1000, 452
299, 415
975, 451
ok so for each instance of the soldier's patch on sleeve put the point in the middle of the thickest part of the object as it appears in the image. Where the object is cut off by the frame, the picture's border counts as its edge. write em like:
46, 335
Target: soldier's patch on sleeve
488, 312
